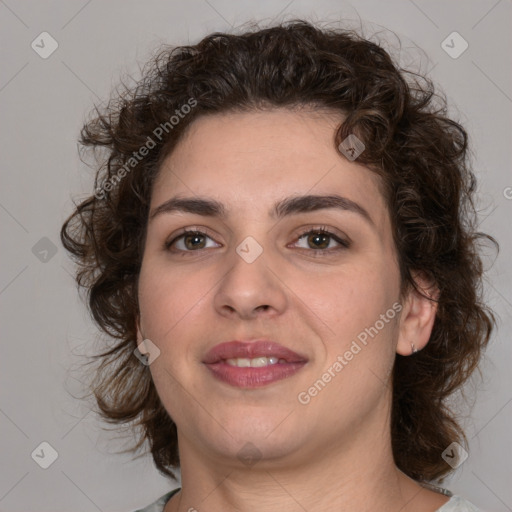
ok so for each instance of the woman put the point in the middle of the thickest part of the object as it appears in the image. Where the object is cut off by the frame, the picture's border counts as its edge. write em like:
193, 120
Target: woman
282, 240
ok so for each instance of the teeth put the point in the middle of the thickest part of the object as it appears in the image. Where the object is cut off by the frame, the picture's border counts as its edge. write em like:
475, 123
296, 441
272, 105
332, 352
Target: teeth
257, 362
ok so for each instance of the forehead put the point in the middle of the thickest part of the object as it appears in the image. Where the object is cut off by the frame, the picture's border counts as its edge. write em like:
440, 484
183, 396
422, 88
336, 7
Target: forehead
251, 160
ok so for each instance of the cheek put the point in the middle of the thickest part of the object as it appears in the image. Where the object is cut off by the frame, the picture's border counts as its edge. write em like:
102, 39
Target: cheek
165, 299
359, 323
349, 301
170, 304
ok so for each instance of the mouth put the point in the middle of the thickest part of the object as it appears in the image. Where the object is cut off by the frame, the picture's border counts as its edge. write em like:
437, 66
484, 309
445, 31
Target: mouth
252, 364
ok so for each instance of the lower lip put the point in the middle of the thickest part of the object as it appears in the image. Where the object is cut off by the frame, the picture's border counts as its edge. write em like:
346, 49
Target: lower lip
248, 377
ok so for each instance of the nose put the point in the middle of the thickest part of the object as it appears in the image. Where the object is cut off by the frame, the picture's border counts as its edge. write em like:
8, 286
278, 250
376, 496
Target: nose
250, 290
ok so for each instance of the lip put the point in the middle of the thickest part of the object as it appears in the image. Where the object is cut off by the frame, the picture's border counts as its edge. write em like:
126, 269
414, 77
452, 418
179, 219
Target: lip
248, 377
257, 348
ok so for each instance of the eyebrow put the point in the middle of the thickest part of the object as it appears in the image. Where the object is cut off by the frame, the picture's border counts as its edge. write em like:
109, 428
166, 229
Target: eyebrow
285, 207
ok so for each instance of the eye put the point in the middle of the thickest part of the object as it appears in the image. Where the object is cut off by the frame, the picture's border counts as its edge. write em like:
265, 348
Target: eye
189, 241
318, 241
321, 240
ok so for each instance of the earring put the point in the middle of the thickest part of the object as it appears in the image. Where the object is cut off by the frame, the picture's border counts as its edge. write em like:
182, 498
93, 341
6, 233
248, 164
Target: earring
414, 349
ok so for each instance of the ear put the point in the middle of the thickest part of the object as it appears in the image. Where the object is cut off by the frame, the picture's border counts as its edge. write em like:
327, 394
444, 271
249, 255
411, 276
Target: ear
417, 317
140, 337
141, 340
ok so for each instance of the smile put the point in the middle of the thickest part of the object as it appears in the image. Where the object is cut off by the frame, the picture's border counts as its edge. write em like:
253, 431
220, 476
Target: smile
257, 362
252, 364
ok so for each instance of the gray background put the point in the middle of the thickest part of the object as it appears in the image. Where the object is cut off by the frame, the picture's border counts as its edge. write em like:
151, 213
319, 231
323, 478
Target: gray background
44, 325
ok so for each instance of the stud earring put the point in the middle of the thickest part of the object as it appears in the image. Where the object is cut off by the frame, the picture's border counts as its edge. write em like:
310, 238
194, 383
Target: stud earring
414, 349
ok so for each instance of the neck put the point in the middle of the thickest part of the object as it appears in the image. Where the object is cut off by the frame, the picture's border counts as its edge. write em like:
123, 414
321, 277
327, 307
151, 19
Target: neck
357, 474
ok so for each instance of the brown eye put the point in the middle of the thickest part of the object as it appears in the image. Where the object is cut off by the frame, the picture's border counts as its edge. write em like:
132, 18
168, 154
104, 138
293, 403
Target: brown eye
322, 241
188, 241
194, 241
318, 241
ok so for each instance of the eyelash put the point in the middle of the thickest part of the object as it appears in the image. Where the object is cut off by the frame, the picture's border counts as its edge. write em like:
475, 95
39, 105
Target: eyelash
322, 230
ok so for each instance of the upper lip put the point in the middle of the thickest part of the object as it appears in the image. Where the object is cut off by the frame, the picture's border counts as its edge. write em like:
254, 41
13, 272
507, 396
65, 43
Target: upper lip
251, 349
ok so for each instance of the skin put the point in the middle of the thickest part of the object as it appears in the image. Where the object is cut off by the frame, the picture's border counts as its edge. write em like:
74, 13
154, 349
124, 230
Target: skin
333, 453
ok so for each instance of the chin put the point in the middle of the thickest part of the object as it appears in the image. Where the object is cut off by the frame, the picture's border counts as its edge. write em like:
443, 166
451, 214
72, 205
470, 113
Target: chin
249, 451
260, 437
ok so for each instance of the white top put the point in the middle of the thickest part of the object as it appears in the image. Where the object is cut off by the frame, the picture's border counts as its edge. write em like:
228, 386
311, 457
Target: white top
455, 504
458, 504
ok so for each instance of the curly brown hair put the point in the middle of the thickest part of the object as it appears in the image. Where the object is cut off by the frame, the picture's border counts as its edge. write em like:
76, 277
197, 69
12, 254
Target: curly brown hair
420, 153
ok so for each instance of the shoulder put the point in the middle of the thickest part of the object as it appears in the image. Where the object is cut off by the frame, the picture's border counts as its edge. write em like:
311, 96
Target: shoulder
458, 504
455, 503
159, 504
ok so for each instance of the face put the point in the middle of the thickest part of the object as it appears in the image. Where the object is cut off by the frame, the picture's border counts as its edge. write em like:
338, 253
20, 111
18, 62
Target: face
321, 281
